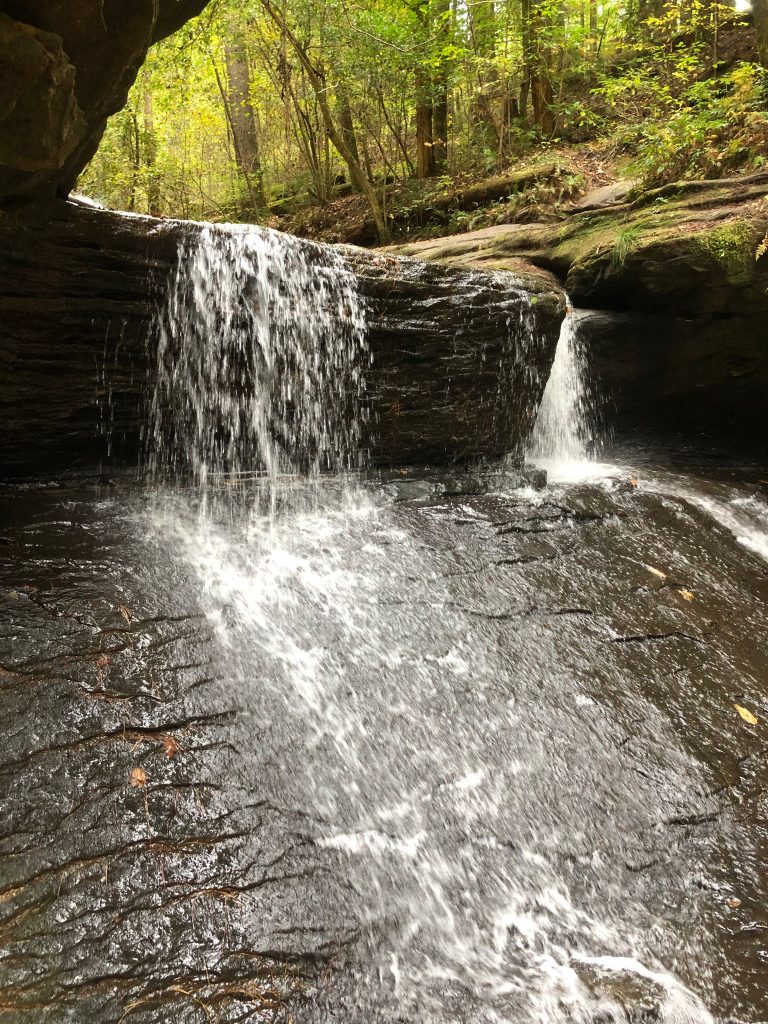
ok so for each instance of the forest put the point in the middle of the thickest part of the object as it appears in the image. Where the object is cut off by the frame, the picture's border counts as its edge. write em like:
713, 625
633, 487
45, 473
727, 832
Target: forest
420, 115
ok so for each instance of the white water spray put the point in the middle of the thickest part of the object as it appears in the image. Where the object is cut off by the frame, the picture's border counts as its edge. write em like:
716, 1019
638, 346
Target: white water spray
565, 432
261, 350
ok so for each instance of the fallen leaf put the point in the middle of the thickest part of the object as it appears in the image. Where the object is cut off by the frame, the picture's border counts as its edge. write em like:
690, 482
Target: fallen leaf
656, 572
170, 746
746, 714
125, 612
138, 778
733, 903
686, 594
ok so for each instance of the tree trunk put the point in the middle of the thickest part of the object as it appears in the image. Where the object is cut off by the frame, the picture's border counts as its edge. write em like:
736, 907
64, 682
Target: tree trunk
346, 122
538, 60
542, 98
525, 32
760, 16
482, 24
242, 118
441, 19
425, 139
592, 26
132, 140
440, 131
150, 156
510, 115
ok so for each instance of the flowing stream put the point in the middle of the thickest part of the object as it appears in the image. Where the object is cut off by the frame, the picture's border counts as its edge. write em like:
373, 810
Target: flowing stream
430, 762
466, 758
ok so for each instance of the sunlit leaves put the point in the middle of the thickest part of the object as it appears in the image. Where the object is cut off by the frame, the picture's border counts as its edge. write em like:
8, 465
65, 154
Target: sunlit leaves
746, 715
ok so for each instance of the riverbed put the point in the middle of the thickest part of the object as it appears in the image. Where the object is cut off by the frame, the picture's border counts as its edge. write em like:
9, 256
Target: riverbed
387, 751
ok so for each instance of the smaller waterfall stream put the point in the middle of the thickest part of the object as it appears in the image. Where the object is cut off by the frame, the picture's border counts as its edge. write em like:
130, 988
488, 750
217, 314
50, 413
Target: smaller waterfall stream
568, 421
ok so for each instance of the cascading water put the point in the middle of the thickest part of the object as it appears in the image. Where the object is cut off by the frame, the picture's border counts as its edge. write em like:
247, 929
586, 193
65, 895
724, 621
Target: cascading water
421, 758
261, 353
568, 421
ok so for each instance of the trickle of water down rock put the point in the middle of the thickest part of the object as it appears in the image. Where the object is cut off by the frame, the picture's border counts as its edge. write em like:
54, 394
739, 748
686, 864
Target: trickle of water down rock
568, 423
428, 762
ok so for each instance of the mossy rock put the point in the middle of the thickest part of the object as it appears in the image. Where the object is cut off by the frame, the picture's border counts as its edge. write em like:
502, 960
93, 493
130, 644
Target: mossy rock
689, 248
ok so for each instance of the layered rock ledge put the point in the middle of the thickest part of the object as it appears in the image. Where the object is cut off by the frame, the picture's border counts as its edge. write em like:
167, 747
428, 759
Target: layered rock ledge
680, 293
455, 372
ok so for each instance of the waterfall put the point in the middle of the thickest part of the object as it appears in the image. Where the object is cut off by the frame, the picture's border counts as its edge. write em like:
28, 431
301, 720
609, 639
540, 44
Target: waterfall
568, 420
261, 348
362, 676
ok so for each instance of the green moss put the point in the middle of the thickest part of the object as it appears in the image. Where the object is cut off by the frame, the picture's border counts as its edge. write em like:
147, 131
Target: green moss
732, 245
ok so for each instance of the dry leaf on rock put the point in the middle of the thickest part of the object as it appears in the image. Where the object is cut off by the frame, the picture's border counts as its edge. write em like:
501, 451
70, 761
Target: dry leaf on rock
170, 746
656, 572
746, 714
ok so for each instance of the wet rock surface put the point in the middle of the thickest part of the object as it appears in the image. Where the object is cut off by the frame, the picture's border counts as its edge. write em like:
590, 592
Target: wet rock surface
698, 376
550, 677
80, 288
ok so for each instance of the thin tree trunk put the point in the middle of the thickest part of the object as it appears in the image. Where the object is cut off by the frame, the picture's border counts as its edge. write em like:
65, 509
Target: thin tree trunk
760, 16
150, 156
425, 140
440, 131
441, 19
525, 85
538, 59
592, 25
133, 142
482, 25
346, 121
335, 134
242, 118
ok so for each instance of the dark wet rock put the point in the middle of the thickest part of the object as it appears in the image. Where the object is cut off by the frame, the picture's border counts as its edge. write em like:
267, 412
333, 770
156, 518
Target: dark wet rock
452, 377
426, 484
205, 886
692, 375
65, 69
132, 841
